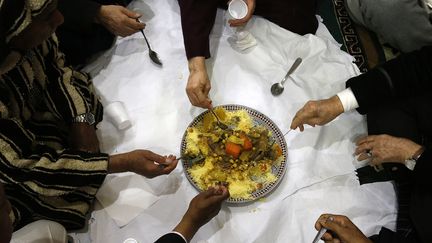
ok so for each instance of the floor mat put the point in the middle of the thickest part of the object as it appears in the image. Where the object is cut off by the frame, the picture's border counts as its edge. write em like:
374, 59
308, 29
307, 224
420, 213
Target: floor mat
362, 44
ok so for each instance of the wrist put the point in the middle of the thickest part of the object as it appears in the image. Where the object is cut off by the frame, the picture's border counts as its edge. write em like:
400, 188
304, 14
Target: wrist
98, 16
196, 64
186, 227
118, 163
411, 161
101, 14
418, 152
337, 105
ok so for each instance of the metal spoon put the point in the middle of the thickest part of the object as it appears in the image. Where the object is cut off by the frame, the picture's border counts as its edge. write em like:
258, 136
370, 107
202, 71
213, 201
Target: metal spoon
278, 88
153, 55
318, 236
219, 123
274, 141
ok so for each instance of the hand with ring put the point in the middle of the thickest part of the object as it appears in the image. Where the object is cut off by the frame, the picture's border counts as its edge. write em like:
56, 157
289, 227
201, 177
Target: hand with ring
385, 148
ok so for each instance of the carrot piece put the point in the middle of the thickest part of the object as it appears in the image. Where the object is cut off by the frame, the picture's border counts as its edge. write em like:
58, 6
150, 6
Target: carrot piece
247, 142
232, 149
278, 150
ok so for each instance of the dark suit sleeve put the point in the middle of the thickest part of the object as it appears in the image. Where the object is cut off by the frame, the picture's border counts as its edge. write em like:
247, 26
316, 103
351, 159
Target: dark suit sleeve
197, 18
421, 197
406, 76
388, 236
78, 15
171, 238
423, 169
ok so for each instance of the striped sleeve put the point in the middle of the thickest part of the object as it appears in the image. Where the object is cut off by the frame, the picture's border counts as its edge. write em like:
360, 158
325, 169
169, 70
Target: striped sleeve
69, 92
43, 183
43, 170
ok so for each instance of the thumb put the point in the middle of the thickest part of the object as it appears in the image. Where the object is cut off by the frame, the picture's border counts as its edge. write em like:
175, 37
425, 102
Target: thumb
130, 14
332, 225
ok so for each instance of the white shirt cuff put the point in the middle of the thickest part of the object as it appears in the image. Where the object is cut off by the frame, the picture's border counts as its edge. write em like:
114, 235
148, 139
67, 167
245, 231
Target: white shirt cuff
177, 233
348, 100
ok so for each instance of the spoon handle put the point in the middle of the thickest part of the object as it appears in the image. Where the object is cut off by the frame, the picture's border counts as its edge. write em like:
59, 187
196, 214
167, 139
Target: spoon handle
145, 38
292, 69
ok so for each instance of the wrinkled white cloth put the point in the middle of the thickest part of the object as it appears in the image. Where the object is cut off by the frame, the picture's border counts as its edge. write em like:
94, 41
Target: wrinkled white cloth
124, 196
320, 167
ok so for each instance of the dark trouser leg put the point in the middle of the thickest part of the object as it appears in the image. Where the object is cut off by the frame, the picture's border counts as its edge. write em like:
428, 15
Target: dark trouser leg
294, 15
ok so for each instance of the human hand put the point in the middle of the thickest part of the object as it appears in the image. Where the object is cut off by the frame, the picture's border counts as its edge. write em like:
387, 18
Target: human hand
318, 112
119, 20
83, 137
243, 21
340, 229
142, 162
198, 86
202, 208
385, 148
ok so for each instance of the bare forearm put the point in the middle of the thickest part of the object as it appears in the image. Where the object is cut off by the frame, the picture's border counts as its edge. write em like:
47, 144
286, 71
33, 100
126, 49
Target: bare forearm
186, 228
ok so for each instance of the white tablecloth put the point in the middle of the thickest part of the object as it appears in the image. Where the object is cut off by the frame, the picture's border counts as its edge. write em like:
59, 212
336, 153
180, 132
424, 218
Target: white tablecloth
320, 174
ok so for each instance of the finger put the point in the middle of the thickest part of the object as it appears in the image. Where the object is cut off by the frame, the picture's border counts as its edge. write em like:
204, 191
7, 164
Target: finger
321, 218
375, 161
126, 31
318, 225
167, 169
238, 22
218, 198
130, 14
296, 121
364, 148
134, 25
209, 192
363, 156
327, 237
366, 139
301, 128
333, 225
208, 103
193, 98
203, 99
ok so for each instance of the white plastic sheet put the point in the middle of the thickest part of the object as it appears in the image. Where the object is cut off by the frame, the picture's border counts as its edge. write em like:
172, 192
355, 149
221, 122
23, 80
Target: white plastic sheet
320, 169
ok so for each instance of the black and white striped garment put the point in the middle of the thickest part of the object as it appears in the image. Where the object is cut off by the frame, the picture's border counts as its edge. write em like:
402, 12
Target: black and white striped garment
43, 178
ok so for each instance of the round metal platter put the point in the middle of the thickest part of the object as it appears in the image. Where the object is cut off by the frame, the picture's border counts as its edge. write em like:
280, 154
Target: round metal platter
259, 119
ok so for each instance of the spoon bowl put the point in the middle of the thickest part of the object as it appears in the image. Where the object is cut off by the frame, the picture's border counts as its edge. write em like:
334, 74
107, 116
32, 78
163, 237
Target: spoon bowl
278, 88
152, 54
218, 122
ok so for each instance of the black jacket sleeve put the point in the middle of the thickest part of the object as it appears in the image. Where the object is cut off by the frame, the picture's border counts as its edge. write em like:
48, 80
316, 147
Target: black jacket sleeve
197, 19
406, 76
171, 238
388, 236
